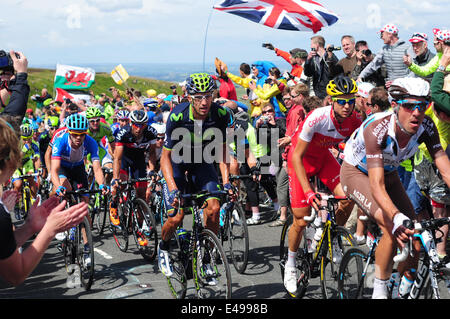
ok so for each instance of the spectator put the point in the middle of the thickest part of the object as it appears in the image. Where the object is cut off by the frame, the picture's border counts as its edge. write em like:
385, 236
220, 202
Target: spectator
441, 97
391, 54
226, 88
46, 219
14, 84
347, 64
296, 58
40, 99
441, 40
317, 65
378, 100
244, 79
271, 90
361, 99
363, 57
423, 54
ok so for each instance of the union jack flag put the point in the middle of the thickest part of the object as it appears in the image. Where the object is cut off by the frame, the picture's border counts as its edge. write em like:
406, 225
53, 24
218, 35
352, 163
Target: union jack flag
295, 15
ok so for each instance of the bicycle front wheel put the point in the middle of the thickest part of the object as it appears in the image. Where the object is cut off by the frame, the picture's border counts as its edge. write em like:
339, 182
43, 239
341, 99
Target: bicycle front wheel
443, 285
211, 271
179, 260
120, 232
145, 235
85, 254
351, 283
332, 254
101, 210
238, 240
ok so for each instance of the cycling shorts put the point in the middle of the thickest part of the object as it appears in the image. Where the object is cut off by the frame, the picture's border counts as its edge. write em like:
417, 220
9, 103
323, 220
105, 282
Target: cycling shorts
325, 167
76, 176
204, 177
356, 186
137, 167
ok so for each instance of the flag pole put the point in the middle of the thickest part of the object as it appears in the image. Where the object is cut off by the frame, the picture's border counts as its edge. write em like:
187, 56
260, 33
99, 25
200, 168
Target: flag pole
206, 36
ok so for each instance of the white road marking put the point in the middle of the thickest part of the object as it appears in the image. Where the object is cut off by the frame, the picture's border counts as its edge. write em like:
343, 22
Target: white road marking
102, 253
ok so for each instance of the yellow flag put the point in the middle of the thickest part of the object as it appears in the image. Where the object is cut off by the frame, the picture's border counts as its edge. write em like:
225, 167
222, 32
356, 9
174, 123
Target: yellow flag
119, 74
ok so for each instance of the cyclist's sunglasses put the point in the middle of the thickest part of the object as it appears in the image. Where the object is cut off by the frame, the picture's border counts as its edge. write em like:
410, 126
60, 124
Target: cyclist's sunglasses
342, 102
202, 97
411, 106
94, 121
78, 133
139, 125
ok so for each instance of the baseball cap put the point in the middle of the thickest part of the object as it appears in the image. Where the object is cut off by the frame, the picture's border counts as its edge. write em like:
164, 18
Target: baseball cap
298, 53
418, 37
391, 28
364, 88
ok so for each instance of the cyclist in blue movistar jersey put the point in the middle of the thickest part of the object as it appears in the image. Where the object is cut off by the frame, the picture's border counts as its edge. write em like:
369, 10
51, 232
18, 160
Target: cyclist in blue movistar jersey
186, 121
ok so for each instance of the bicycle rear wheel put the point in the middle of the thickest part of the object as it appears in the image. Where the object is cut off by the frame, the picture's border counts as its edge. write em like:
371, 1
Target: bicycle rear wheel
238, 240
329, 267
120, 232
147, 231
99, 220
303, 266
86, 267
211, 271
351, 283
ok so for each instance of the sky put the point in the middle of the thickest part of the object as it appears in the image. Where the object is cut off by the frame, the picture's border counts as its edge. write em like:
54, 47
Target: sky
173, 31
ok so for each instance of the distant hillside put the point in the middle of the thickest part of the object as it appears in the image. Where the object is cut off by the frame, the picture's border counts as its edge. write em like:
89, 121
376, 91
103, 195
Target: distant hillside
43, 78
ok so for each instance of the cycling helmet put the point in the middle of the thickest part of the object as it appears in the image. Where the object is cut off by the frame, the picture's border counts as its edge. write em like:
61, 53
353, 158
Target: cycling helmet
123, 114
200, 83
26, 131
231, 121
150, 102
409, 87
53, 121
139, 117
77, 122
341, 85
92, 112
160, 128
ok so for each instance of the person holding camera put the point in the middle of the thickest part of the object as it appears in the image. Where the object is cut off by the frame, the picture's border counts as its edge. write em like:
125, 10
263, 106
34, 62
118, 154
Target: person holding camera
318, 63
363, 57
419, 42
296, 58
13, 85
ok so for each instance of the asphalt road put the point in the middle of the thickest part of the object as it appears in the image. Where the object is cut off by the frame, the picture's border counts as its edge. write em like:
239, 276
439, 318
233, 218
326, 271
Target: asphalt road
120, 275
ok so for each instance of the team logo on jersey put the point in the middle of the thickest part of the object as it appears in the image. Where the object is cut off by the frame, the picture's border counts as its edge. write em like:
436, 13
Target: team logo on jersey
176, 117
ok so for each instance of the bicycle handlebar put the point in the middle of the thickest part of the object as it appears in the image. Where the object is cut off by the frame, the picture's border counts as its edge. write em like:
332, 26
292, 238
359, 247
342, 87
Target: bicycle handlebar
28, 175
331, 198
82, 192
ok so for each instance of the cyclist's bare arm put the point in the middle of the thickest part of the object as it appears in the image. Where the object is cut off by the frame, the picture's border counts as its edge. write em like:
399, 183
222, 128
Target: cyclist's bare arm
48, 158
224, 165
118, 153
152, 158
167, 169
443, 164
297, 161
55, 166
98, 173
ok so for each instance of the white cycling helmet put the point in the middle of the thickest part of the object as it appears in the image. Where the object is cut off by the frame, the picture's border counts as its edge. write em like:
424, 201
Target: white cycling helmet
364, 89
160, 128
409, 87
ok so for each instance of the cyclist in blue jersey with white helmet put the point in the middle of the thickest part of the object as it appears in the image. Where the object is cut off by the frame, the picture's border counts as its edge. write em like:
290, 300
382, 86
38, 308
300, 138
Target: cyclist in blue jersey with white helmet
68, 153
198, 116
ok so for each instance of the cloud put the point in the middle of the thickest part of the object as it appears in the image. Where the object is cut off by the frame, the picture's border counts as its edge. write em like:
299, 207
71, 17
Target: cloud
56, 39
115, 5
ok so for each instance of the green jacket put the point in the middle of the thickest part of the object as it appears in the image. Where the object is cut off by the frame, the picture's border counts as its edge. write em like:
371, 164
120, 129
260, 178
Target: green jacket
429, 68
439, 96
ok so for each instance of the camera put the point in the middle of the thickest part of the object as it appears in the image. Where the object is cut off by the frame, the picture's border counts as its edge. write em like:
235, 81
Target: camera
313, 49
6, 62
173, 87
268, 46
333, 48
367, 52
268, 81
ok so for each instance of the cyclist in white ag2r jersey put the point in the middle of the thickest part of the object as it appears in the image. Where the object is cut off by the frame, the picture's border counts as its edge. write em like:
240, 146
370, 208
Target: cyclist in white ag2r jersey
369, 172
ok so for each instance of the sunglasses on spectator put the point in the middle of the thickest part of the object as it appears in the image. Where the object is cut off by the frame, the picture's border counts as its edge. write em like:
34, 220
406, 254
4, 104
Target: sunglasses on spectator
202, 97
267, 111
342, 102
295, 96
158, 138
411, 106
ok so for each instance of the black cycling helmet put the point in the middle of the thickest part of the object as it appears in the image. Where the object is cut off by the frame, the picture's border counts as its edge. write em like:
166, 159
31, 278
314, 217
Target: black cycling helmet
139, 117
341, 85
